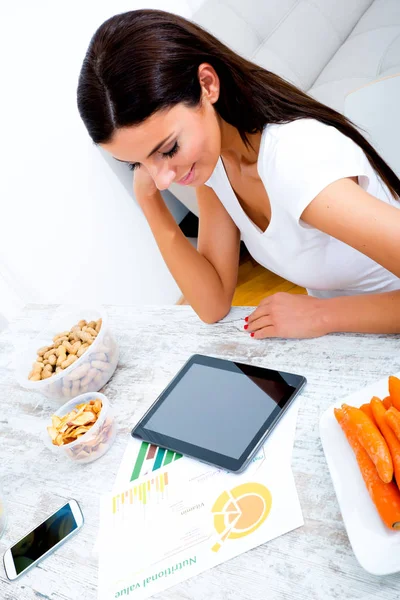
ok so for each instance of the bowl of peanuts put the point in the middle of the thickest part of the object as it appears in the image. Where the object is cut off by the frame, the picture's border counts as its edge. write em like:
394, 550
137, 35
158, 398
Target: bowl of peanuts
83, 429
76, 353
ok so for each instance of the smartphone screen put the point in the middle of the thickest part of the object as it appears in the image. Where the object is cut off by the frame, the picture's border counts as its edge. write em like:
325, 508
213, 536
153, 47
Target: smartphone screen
42, 539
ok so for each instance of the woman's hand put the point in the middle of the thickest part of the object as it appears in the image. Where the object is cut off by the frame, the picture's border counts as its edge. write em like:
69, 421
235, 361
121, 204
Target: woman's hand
143, 185
287, 316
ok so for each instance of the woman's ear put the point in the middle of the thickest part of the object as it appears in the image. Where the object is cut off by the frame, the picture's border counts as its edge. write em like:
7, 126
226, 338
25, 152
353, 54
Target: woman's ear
209, 82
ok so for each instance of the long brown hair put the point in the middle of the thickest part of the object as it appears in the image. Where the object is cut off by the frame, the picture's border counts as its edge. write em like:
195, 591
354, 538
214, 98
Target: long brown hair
143, 61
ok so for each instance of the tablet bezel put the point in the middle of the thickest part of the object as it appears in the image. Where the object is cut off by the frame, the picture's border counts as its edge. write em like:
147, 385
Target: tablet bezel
208, 456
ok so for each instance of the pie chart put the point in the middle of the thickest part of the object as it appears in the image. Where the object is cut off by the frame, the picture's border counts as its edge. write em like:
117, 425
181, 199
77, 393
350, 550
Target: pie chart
240, 511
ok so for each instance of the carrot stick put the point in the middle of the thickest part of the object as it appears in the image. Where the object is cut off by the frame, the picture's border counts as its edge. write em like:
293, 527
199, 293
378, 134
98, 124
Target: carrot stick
385, 496
366, 408
392, 417
387, 403
394, 391
372, 441
379, 411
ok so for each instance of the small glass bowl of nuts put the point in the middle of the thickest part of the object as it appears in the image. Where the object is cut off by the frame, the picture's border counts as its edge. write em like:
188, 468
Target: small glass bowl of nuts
76, 353
83, 429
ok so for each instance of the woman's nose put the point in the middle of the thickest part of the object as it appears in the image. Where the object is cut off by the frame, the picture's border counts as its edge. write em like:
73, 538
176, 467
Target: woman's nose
163, 176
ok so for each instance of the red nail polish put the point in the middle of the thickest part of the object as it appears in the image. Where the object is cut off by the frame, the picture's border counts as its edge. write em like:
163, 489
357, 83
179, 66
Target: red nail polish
246, 319
246, 326
252, 334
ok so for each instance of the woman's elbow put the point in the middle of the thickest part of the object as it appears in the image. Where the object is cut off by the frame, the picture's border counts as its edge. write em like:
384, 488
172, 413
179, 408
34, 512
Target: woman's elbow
213, 316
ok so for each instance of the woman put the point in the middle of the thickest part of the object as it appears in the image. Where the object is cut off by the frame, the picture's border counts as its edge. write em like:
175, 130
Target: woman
311, 198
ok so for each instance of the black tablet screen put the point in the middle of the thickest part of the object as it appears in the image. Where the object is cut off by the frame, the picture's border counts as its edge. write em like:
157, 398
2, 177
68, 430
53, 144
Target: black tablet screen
220, 410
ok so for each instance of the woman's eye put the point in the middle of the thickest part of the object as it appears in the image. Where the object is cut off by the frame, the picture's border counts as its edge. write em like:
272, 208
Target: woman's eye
171, 152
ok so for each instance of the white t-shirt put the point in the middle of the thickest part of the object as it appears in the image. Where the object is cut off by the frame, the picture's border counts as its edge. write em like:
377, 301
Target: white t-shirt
296, 161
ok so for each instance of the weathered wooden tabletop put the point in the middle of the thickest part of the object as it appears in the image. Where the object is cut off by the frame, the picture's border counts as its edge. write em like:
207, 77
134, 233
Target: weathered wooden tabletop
313, 562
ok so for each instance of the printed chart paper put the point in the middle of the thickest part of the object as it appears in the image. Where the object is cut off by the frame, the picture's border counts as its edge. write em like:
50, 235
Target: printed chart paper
185, 517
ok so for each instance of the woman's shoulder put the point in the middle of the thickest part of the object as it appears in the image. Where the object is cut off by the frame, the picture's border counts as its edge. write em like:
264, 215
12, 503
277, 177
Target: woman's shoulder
300, 130
307, 140
301, 158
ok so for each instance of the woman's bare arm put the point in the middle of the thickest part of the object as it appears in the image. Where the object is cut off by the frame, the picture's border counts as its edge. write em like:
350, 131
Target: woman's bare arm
207, 277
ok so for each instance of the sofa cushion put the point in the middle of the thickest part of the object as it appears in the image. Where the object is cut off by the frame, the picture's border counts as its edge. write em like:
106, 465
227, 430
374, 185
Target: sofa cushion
294, 38
371, 51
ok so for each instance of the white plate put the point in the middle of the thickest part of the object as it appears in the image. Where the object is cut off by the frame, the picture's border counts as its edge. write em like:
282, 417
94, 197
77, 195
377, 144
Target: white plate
376, 547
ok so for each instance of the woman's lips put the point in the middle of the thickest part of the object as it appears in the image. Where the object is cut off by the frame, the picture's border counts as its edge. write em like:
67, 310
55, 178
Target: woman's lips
188, 178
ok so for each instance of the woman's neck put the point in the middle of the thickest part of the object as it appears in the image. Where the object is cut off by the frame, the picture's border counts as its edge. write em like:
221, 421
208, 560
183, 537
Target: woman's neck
233, 147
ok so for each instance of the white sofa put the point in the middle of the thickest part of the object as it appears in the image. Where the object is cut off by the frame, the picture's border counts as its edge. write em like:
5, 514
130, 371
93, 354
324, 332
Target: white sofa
325, 47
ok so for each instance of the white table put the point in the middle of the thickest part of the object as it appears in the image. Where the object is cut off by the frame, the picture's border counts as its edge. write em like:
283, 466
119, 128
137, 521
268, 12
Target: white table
313, 562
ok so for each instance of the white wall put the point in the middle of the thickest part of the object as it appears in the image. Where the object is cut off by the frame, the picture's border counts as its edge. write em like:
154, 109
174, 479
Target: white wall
194, 5
70, 227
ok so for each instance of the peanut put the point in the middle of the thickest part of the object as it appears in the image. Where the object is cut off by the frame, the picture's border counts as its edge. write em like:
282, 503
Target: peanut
100, 356
98, 380
59, 335
42, 350
80, 371
67, 345
85, 336
98, 325
60, 350
66, 389
75, 388
72, 348
52, 359
47, 354
92, 324
75, 347
100, 365
60, 341
47, 373
71, 359
82, 350
103, 348
82, 323
61, 357
91, 374
36, 371
91, 331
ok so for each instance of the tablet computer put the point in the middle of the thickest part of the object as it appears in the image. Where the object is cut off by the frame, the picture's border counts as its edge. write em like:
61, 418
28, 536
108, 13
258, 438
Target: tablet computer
219, 411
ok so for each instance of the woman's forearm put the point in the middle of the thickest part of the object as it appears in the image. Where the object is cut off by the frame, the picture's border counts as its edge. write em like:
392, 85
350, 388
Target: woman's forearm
369, 313
195, 275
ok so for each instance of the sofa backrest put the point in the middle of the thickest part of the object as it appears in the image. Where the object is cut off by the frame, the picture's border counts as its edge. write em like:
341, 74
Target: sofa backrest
293, 38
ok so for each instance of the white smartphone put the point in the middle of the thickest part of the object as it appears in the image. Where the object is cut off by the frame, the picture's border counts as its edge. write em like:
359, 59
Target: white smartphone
43, 540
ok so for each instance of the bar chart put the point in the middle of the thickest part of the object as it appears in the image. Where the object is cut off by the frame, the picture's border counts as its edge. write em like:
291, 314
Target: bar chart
151, 458
150, 491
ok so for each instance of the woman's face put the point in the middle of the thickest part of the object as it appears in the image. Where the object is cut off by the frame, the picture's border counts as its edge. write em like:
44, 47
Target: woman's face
179, 145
